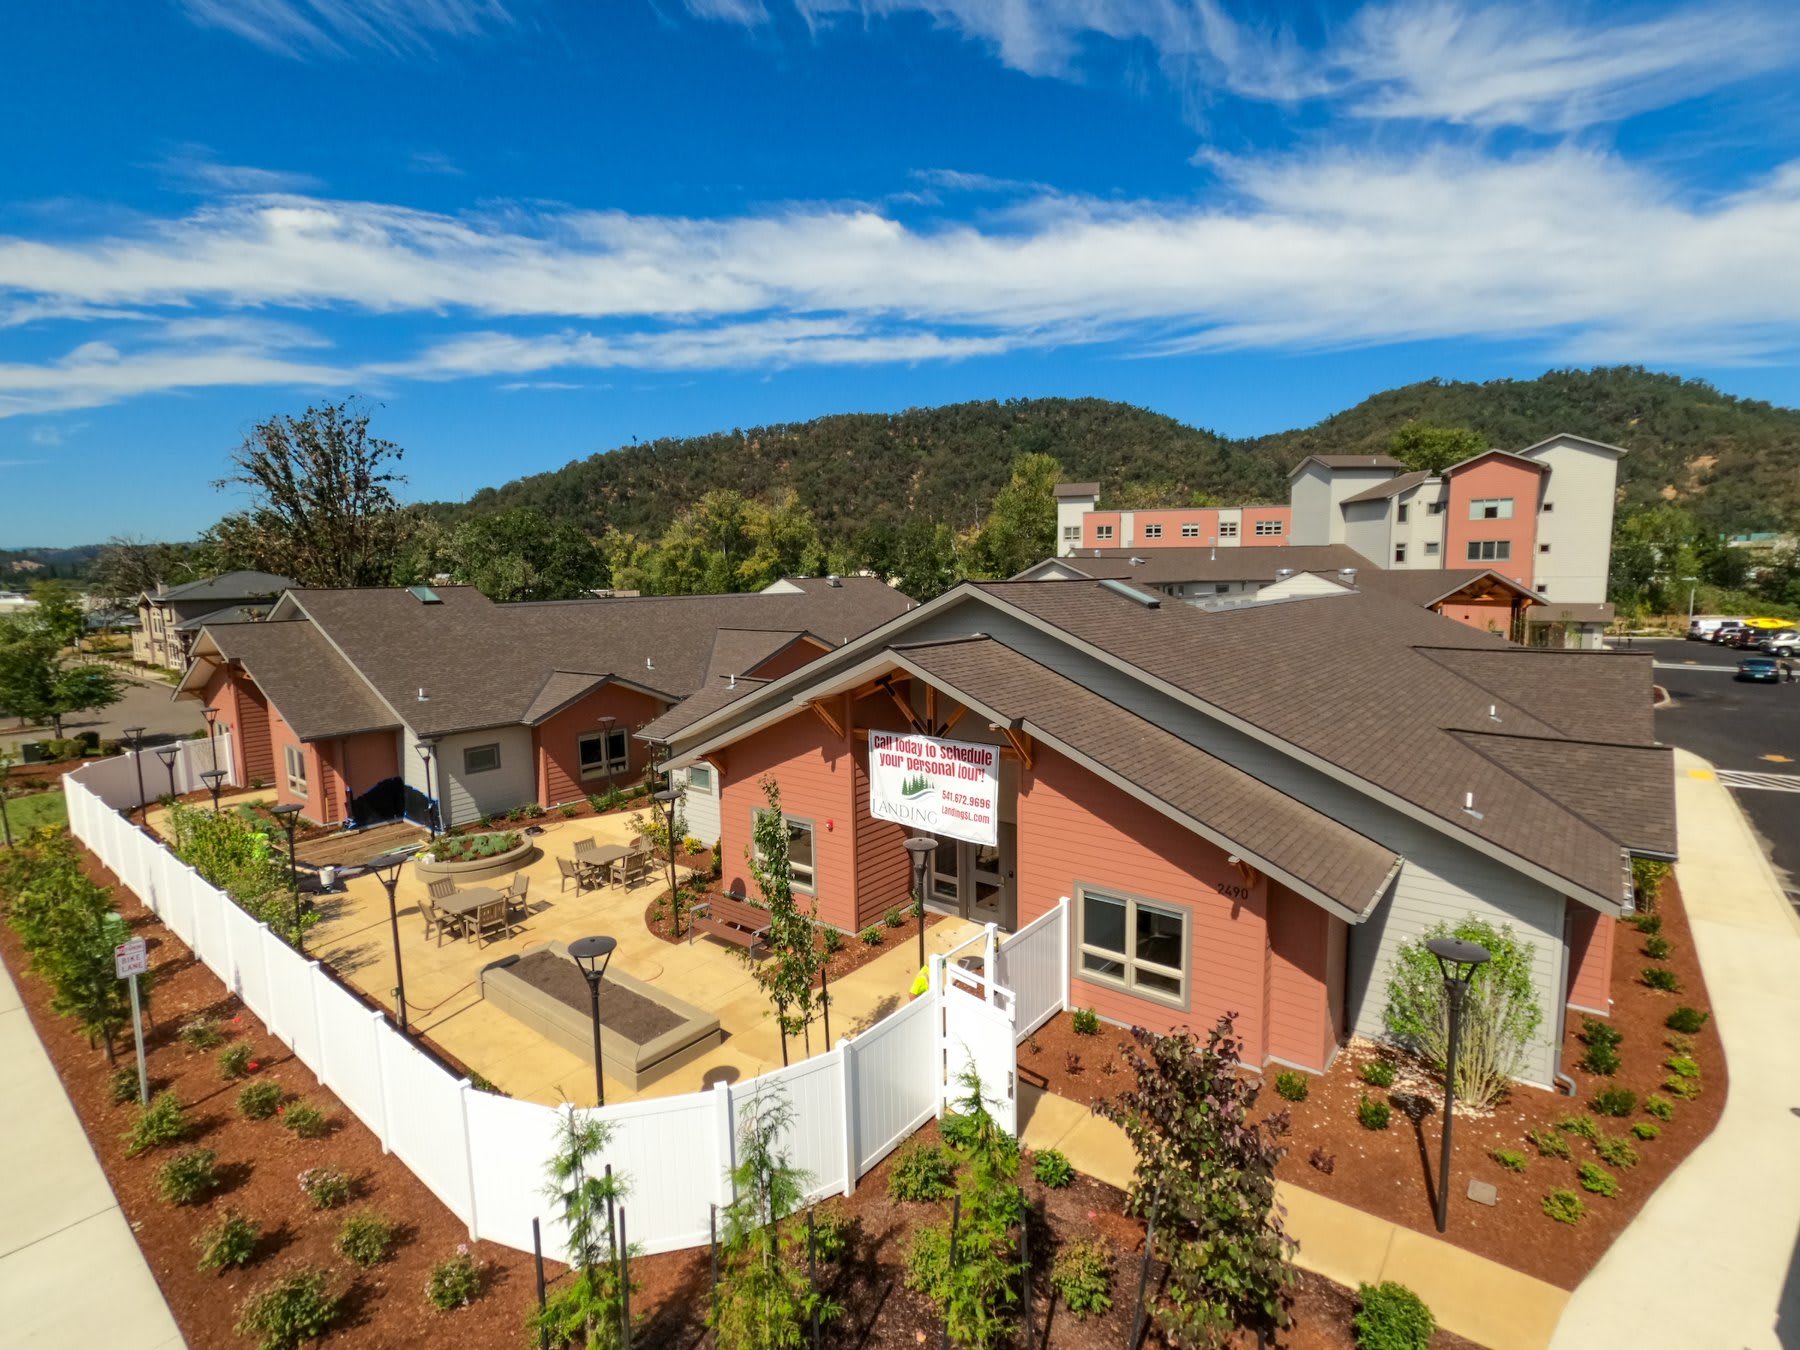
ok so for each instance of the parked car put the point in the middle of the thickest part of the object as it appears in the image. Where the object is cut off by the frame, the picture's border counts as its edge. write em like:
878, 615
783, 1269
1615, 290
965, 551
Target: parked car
1783, 642
1745, 639
1706, 628
1725, 631
1761, 669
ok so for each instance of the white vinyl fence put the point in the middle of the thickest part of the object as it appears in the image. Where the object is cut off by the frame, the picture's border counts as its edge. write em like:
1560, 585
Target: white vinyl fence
484, 1155
1034, 964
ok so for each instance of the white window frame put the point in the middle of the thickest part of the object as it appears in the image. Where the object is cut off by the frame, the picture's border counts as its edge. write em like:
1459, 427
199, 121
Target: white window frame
1129, 981
610, 761
1400, 514
293, 760
1228, 529
1103, 533
1153, 532
1399, 553
1267, 529
1490, 550
1191, 530
1490, 508
1072, 534
805, 876
470, 750
702, 786
1431, 548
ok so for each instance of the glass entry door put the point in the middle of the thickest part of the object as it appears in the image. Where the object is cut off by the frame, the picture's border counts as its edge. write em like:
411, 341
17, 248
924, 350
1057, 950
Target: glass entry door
976, 880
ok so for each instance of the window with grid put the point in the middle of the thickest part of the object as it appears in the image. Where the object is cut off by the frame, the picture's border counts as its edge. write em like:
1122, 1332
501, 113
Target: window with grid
1104, 532
802, 860
1268, 527
1228, 529
1072, 532
1153, 532
1491, 508
1138, 945
294, 760
1490, 550
1191, 530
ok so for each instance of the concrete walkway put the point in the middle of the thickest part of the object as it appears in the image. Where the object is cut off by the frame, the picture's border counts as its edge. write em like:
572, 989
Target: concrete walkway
1483, 1300
71, 1273
1712, 1259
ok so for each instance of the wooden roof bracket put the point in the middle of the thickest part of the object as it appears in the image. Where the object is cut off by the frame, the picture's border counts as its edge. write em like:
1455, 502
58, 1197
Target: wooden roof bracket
913, 720
1021, 743
827, 716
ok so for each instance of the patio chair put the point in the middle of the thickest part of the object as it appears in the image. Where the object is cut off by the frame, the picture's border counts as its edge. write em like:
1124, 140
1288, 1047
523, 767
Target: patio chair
490, 918
632, 868
441, 890
515, 896
573, 871
440, 922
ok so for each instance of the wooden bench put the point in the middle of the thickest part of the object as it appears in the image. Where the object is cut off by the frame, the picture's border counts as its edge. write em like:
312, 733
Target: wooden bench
730, 920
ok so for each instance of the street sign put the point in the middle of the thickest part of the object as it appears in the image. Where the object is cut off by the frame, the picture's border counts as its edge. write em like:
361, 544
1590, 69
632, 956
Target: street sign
130, 958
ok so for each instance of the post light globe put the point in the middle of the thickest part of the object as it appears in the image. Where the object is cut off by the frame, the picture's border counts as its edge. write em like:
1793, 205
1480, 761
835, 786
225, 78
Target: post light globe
592, 954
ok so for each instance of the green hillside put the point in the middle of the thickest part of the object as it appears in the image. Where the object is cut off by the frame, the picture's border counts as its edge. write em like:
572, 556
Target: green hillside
1734, 462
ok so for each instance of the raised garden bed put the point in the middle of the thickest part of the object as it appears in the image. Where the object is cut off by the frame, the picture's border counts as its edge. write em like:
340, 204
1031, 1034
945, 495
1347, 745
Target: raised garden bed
476, 857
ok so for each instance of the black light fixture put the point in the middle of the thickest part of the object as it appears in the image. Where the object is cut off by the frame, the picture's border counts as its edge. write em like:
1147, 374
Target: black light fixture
387, 870
136, 736
213, 778
212, 720
593, 955
168, 755
288, 813
606, 726
921, 847
1458, 961
667, 798
424, 749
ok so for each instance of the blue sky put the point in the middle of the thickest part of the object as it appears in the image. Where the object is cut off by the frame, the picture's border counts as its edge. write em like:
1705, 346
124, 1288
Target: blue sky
532, 230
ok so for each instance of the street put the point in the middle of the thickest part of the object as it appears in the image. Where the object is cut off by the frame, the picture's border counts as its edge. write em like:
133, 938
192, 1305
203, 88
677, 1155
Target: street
146, 704
1750, 732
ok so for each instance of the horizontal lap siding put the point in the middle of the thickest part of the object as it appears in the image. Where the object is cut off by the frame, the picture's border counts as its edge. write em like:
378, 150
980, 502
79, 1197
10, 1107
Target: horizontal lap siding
1590, 959
1302, 983
558, 742
281, 735
1075, 828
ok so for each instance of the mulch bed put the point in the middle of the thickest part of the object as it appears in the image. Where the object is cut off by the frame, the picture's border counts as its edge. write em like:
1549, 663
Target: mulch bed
1391, 1172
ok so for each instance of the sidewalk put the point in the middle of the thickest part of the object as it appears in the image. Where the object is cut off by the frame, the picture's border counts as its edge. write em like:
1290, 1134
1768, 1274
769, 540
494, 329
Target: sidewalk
1468, 1294
71, 1273
1711, 1259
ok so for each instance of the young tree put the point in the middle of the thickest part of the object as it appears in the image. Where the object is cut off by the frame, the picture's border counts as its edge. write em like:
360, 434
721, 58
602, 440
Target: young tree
58, 613
1209, 1170
589, 1310
1021, 527
791, 972
1432, 449
766, 1300
40, 682
322, 508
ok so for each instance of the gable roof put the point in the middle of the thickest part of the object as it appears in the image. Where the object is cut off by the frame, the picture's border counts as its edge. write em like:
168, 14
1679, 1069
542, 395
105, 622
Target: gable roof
1524, 460
247, 613
1348, 462
299, 673
1617, 787
1427, 586
227, 586
1535, 446
1393, 487
1169, 566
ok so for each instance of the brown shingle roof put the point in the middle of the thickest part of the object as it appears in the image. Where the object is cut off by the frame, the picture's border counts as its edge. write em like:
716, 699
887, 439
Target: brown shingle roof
1626, 790
1349, 462
1076, 490
304, 678
734, 651
1426, 586
1391, 488
1312, 848
1171, 566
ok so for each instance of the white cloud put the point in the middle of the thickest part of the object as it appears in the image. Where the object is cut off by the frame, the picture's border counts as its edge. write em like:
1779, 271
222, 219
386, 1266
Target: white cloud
197, 169
301, 28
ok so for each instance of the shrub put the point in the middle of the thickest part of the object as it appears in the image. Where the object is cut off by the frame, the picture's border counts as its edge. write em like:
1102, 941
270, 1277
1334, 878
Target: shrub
1596, 1032
1582, 1127
1658, 948
568, 812
1511, 1159
1685, 1088
200, 1033
1680, 1045
923, 1171
1086, 1022
1615, 1101
893, 918
1290, 1086
1322, 1161
1390, 1316
229, 1243
365, 1239
532, 811
235, 1061
1500, 1010
455, 1283
122, 1087
188, 1177
1564, 1206
1052, 1169
1647, 877
871, 936
1616, 1151
1549, 1143
259, 1101
1660, 1107
1082, 1277
1374, 1115
1597, 1179
833, 941
326, 1187
1681, 1066
1602, 1060
1686, 1019
1648, 924
1378, 1073
1645, 1129
1661, 978
297, 1308
161, 1122
306, 1121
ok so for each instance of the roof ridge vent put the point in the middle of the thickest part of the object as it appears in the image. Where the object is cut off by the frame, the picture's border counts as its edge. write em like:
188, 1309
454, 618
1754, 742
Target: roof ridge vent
1130, 592
834, 580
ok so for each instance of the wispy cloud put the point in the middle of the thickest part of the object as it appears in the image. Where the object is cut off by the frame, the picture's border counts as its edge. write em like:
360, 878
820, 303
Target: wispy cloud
433, 161
303, 28
197, 169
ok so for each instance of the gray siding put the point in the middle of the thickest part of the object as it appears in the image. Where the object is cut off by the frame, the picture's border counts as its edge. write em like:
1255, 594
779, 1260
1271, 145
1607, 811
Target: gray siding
1366, 529
1581, 487
700, 809
468, 797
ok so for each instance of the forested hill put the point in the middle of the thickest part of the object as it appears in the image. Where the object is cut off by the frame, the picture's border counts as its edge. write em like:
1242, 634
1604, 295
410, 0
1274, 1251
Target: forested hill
1734, 462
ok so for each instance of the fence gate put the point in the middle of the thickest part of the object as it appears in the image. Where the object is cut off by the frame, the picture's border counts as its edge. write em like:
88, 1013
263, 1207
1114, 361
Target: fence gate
980, 1033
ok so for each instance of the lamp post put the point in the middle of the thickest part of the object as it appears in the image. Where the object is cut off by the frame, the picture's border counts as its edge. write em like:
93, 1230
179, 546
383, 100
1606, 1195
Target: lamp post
168, 754
136, 736
7, 759
593, 955
213, 778
1458, 960
387, 869
920, 847
288, 813
606, 726
212, 721
1693, 589
667, 798
424, 749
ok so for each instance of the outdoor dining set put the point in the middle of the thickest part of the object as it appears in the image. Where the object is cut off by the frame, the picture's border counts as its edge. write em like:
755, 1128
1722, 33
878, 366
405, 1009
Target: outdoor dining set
595, 864
479, 911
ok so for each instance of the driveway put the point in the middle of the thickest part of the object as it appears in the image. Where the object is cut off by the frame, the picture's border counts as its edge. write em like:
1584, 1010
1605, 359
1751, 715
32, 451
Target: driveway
146, 704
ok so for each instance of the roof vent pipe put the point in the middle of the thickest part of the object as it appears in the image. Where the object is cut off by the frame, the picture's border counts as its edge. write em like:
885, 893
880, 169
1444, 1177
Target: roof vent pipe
1138, 562
731, 682
649, 664
424, 697
1347, 575
1283, 573
1493, 712
834, 580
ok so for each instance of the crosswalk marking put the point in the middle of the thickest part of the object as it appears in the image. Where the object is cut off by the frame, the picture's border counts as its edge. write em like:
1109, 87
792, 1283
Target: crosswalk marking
1771, 782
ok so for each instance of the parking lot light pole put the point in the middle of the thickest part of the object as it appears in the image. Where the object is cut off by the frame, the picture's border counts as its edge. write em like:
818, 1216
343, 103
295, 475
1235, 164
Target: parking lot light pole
387, 869
289, 815
136, 736
593, 955
1458, 961
920, 847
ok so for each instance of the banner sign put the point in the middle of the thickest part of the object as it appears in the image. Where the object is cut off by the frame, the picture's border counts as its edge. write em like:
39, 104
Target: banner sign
943, 787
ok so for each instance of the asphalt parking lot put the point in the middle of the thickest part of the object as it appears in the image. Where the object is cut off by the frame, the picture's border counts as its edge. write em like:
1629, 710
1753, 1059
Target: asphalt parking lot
146, 704
1751, 733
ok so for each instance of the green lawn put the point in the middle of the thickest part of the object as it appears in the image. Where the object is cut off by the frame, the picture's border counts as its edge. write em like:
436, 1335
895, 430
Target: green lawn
40, 808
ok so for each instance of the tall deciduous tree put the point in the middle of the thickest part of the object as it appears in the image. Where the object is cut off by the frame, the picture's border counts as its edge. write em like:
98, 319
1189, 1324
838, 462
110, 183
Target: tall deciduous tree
40, 682
1021, 528
522, 554
322, 508
127, 567
1432, 449
791, 972
58, 613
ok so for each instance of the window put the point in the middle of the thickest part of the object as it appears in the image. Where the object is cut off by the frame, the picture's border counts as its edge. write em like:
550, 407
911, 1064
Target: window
1491, 508
1268, 527
1103, 533
1431, 548
802, 865
1434, 508
1228, 529
1072, 533
1543, 588
1490, 550
1399, 553
480, 758
1153, 532
1191, 530
1134, 944
700, 779
1543, 548
294, 758
1400, 513
1548, 506
599, 748
1221, 588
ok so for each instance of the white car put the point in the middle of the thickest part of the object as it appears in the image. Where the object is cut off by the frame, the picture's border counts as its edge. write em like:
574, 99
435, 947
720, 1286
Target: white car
1706, 630
1782, 643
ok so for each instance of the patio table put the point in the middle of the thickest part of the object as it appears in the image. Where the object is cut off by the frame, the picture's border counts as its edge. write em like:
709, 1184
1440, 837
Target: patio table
466, 901
600, 859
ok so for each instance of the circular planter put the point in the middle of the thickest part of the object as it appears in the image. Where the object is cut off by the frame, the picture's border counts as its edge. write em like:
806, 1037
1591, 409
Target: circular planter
478, 869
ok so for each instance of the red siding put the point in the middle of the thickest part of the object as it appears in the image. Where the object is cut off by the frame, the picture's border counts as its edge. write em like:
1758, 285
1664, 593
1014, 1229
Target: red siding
789, 659
349, 766
1590, 959
1205, 518
1282, 515
1091, 539
1493, 477
1495, 619
1074, 828
883, 866
556, 742
281, 735
1305, 982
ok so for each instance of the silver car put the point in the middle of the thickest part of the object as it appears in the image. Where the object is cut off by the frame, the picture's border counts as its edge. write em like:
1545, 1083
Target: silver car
1784, 642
